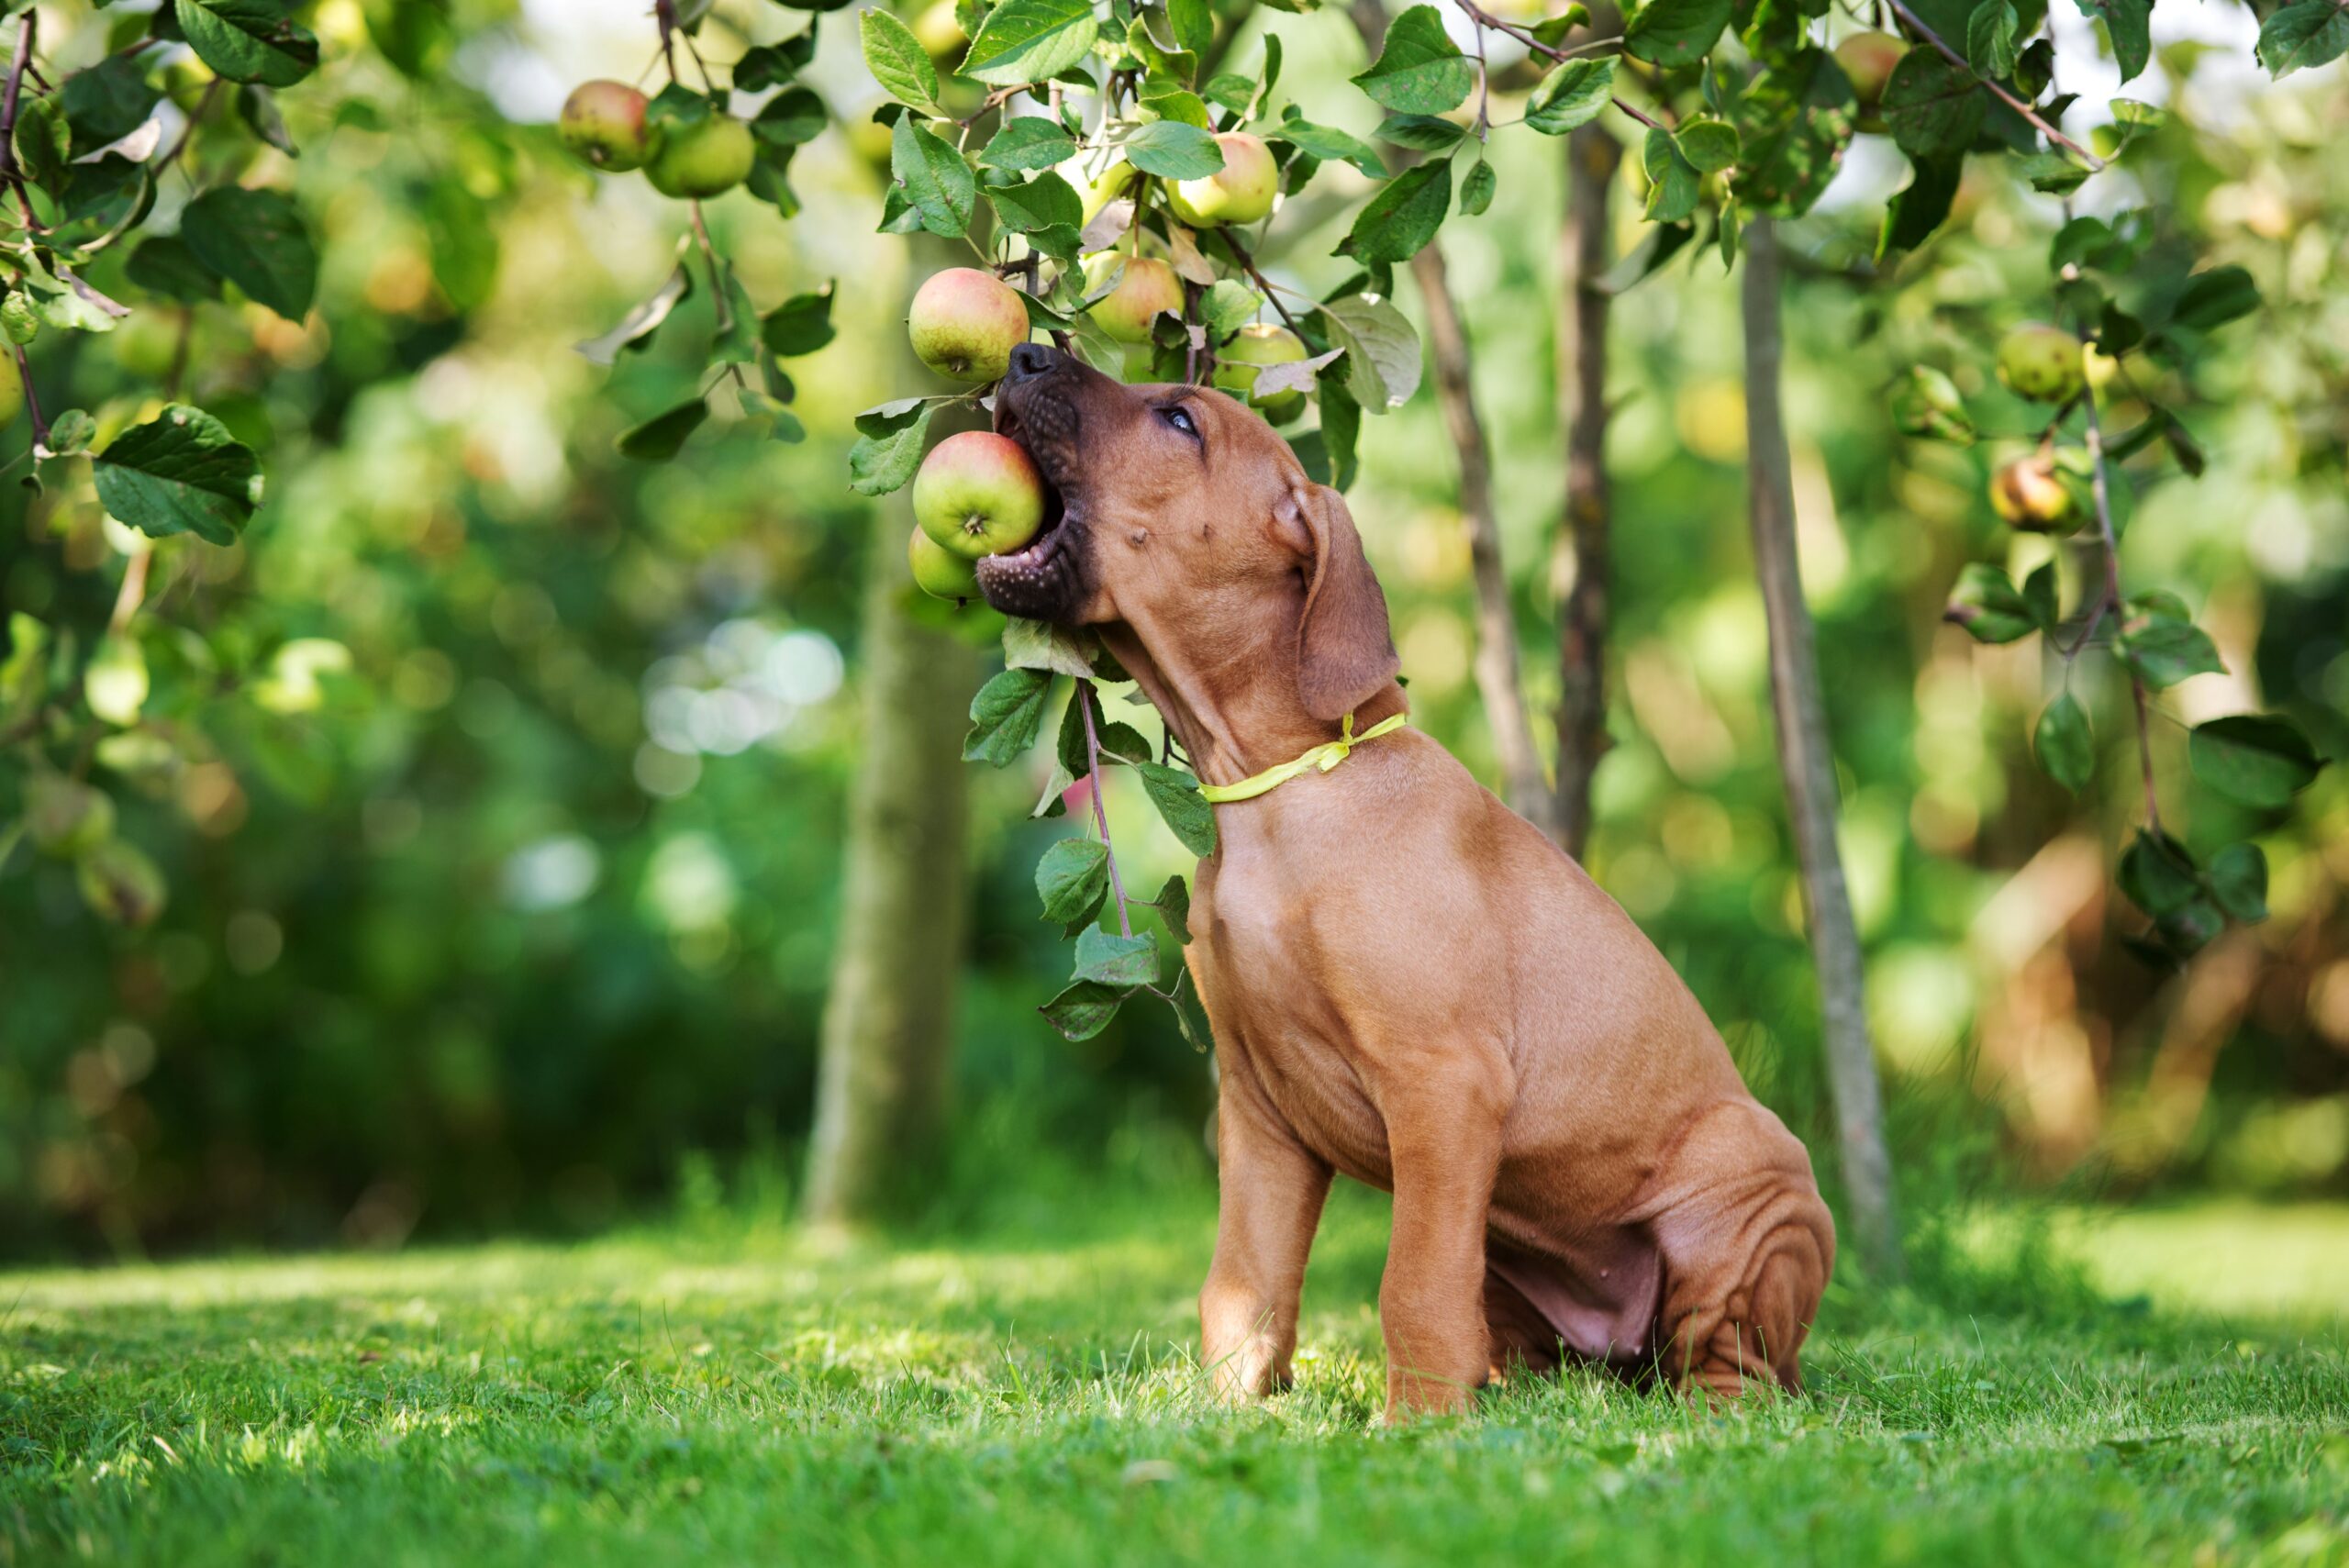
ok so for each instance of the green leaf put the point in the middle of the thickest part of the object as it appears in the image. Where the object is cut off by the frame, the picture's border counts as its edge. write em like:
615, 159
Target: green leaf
2051, 173
1382, 366
1933, 107
800, 325
1328, 145
1030, 141
1990, 39
2039, 593
1921, 207
249, 40
1107, 959
2213, 298
1173, 151
2302, 37
1396, 223
1985, 604
1029, 40
2129, 23
2253, 759
662, 437
1040, 645
43, 143
635, 330
2163, 648
1173, 904
179, 473
890, 444
1571, 97
2157, 873
2065, 744
1925, 402
1675, 32
23, 674
108, 101
257, 107
1227, 307
1421, 70
2239, 882
1477, 190
1422, 133
1046, 201
1006, 716
1674, 183
1797, 120
256, 239
1084, 1009
792, 119
1180, 804
774, 64
935, 180
897, 61
1071, 878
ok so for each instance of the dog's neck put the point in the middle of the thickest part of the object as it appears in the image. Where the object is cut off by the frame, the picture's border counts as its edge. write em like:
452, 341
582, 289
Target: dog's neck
1234, 710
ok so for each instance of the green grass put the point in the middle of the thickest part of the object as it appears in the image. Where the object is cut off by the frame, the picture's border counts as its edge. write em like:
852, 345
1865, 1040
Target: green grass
1025, 1395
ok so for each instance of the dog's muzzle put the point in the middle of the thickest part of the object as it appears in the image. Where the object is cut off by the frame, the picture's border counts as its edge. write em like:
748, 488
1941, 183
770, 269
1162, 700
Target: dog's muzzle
1035, 406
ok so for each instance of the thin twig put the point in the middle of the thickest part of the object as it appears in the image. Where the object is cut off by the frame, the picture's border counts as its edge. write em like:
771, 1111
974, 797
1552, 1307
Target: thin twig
1486, 19
187, 131
26, 31
2113, 601
32, 400
1100, 812
1248, 265
1909, 18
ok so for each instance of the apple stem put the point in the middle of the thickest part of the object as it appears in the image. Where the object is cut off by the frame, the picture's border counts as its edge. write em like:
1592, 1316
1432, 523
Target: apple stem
1100, 812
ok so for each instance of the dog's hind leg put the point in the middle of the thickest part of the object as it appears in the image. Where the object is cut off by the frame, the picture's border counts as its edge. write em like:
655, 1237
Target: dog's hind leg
1747, 1250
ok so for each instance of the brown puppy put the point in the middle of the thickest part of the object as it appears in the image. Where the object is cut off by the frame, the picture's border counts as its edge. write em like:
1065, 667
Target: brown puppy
1409, 984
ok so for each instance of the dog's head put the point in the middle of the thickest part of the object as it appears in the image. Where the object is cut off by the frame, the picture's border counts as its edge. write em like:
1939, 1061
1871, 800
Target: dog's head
1179, 512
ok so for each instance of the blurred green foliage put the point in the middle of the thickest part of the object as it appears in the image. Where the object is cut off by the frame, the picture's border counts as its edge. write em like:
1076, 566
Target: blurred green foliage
503, 850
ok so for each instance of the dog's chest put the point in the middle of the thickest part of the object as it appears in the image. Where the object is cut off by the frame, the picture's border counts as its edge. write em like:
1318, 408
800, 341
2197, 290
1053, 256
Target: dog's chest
1265, 986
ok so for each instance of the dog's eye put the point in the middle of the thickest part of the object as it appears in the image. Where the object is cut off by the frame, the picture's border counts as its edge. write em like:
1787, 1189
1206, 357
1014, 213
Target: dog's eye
1181, 419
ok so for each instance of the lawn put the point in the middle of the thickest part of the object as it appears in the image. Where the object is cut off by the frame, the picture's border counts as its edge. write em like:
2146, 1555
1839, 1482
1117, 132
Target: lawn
1024, 1394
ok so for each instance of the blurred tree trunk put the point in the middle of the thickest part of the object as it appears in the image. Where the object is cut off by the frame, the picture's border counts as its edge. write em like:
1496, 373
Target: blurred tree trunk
1497, 677
1807, 761
1581, 559
887, 1030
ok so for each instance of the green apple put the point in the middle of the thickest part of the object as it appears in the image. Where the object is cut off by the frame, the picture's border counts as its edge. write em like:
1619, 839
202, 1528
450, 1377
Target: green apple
1239, 192
1149, 286
979, 493
2030, 496
1118, 180
65, 818
700, 158
1241, 360
939, 571
965, 323
604, 123
2041, 362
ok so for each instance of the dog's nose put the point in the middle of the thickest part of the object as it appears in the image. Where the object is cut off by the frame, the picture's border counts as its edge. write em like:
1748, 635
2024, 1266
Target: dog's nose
1029, 360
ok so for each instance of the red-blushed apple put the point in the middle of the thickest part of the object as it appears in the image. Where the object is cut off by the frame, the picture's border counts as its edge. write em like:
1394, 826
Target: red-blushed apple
2030, 496
1868, 59
702, 157
979, 493
2041, 362
965, 323
1241, 360
1239, 192
604, 123
939, 571
1148, 287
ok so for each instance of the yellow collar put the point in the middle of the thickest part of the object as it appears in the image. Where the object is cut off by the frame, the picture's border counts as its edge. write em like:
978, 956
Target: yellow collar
1327, 755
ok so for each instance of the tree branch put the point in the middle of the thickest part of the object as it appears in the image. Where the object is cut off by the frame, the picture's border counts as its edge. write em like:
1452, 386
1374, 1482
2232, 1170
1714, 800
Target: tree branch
2111, 600
1910, 20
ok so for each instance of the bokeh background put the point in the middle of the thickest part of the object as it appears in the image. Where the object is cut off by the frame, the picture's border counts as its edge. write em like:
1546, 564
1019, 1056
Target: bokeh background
520, 916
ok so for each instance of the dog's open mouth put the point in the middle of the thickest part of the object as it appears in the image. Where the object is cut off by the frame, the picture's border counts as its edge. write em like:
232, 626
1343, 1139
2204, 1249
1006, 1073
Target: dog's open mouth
1039, 580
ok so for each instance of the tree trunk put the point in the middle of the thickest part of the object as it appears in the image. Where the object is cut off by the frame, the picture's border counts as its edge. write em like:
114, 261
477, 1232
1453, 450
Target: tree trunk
1496, 655
1808, 763
887, 1030
1581, 561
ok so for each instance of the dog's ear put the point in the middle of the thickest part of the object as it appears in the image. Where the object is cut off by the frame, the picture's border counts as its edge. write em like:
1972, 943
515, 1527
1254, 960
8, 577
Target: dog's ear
1345, 651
